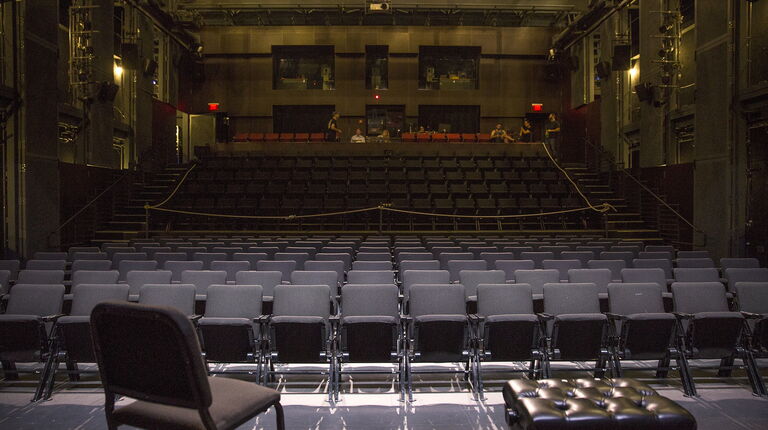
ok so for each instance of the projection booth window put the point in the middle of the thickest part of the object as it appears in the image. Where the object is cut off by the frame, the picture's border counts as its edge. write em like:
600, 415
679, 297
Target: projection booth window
306, 67
448, 67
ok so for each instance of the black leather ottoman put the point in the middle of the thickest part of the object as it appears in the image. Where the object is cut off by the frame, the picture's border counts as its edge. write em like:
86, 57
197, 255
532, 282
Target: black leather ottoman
621, 403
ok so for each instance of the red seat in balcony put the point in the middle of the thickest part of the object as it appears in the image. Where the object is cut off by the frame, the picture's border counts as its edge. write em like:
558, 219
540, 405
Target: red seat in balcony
408, 137
301, 137
469, 137
256, 137
483, 137
317, 137
439, 137
286, 137
271, 137
454, 137
423, 137
240, 137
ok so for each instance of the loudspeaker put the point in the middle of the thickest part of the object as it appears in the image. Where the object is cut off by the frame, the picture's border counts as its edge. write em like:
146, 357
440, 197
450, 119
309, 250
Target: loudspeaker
573, 62
644, 92
552, 72
108, 91
129, 53
150, 67
603, 70
621, 57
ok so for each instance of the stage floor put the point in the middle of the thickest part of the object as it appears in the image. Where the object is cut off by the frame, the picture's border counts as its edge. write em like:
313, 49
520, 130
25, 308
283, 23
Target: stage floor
447, 405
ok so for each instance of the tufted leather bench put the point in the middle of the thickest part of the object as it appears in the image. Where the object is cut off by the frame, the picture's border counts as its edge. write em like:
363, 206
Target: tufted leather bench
621, 403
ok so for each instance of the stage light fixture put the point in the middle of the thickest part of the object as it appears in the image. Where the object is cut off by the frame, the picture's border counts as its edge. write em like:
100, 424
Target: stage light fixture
118, 69
633, 72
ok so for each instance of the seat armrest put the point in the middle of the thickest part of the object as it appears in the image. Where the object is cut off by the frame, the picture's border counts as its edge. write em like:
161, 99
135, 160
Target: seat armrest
195, 318
752, 315
615, 317
476, 318
49, 318
405, 318
683, 316
545, 317
262, 319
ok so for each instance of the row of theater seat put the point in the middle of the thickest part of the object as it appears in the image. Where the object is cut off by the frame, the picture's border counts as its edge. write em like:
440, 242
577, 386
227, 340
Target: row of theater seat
405, 137
427, 322
372, 164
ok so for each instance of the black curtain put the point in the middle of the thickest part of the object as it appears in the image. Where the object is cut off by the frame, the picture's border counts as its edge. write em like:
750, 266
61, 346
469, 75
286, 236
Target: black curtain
301, 118
459, 118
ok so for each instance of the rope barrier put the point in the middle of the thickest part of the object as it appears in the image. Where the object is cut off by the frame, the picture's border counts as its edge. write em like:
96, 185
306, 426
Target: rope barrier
175, 190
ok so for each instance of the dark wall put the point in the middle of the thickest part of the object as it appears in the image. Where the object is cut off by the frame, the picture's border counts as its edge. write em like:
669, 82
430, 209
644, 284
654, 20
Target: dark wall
238, 72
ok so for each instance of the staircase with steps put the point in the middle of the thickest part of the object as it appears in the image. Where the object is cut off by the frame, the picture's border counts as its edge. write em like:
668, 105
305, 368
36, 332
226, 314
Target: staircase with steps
626, 223
128, 220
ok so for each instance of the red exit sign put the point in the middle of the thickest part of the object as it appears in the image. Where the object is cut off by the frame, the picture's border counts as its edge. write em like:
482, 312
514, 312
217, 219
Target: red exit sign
213, 107
537, 107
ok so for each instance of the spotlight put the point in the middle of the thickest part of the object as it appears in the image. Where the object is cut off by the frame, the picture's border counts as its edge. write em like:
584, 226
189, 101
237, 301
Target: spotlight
633, 72
118, 69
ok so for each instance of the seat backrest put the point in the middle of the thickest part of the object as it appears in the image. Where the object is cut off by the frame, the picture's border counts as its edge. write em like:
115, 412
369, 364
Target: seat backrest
635, 298
432, 299
5, 280
414, 256
493, 257
209, 257
250, 257
739, 263
46, 265
511, 266
537, 257
579, 298
537, 278
456, 266
694, 262
177, 267
149, 353
298, 257
42, 255
562, 266
11, 266
301, 300
132, 265
233, 301
370, 276
659, 248
445, 257
370, 300
413, 277
266, 278
693, 254
94, 277
644, 275
371, 265
86, 296
753, 297
373, 256
202, 279
178, 296
695, 297
40, 277
332, 265
626, 256
582, 256
655, 255
503, 299
231, 267
335, 256
316, 277
696, 274
100, 265
35, 299
138, 278
470, 279
419, 265
600, 277
120, 256
649, 263
614, 266
735, 275
285, 267
75, 249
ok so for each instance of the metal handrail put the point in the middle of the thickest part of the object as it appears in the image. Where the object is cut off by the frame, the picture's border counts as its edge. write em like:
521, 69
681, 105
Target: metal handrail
604, 154
87, 205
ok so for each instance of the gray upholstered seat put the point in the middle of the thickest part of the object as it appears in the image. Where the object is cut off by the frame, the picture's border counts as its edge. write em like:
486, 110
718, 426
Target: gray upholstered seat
285, 267
511, 266
739, 263
470, 279
91, 265
456, 266
46, 264
12, 266
582, 256
231, 268
40, 277
577, 330
178, 267
563, 266
162, 366
202, 279
178, 296
370, 276
138, 278
654, 263
695, 263
736, 275
537, 278
135, 265
600, 277
298, 257
413, 277
209, 257
696, 274
117, 257
419, 265
614, 266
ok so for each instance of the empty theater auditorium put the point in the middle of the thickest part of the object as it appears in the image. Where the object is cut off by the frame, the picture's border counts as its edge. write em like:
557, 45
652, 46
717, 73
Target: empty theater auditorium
384, 214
